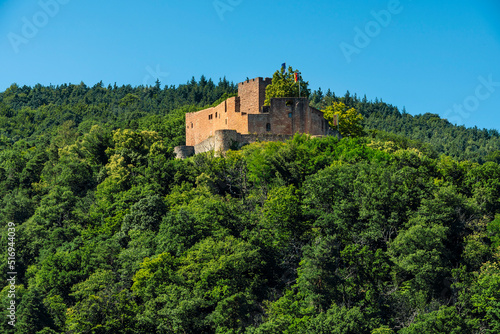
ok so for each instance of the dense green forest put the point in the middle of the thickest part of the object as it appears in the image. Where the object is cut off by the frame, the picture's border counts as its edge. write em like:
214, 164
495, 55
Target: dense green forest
397, 231
439, 135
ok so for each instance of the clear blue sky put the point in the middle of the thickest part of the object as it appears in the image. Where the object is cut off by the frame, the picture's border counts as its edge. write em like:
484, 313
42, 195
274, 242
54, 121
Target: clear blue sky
430, 56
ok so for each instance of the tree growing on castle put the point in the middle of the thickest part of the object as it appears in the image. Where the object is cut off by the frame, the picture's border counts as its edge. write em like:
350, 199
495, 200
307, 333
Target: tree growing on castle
284, 85
349, 120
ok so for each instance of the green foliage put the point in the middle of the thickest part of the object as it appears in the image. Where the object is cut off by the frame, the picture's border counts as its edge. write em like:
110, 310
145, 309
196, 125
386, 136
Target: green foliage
349, 120
493, 157
284, 85
494, 231
485, 295
376, 234
419, 251
101, 307
382, 330
428, 131
444, 321
340, 320
145, 214
484, 183
198, 290
282, 216
32, 316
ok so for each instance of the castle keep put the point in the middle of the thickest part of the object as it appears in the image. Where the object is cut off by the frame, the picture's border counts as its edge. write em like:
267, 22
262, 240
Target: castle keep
244, 119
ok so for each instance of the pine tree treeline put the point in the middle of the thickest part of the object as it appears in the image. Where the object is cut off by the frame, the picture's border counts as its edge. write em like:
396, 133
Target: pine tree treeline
150, 99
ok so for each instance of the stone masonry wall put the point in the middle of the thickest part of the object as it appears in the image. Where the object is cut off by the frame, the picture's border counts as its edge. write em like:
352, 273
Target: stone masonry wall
183, 152
205, 146
253, 94
318, 124
224, 140
202, 124
289, 116
230, 114
235, 119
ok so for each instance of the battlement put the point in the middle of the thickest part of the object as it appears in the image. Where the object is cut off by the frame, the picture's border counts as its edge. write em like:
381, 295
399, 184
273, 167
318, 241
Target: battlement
266, 81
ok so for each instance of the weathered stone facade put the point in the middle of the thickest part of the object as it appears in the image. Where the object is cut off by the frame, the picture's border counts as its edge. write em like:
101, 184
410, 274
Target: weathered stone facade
244, 119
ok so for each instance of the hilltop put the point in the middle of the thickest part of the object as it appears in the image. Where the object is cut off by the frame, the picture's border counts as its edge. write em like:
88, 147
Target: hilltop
30, 112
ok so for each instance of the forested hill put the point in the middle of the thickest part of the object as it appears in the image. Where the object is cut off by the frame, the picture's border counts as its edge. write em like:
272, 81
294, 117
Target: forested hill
473, 144
27, 111
107, 232
33, 113
149, 99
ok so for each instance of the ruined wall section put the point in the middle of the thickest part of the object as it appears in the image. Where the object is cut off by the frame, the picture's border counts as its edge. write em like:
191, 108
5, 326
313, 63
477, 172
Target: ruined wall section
230, 114
225, 140
252, 94
318, 125
235, 118
254, 138
245, 115
183, 152
259, 124
289, 116
205, 146
203, 124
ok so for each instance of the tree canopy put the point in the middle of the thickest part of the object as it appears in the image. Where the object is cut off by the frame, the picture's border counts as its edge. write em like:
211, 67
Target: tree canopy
284, 85
349, 121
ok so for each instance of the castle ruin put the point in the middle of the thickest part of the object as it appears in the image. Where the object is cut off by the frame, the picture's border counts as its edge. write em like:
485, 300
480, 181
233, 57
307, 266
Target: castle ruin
244, 119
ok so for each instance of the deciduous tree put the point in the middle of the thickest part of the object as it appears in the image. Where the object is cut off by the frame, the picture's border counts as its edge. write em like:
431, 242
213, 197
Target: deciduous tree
349, 120
284, 85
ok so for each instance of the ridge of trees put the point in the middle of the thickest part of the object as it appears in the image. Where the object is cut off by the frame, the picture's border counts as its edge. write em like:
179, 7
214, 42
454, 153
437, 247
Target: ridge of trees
385, 120
32, 111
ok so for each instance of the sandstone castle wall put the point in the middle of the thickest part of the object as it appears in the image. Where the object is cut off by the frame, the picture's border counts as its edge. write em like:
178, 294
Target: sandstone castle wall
253, 94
